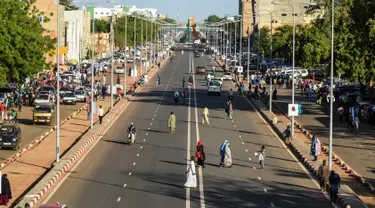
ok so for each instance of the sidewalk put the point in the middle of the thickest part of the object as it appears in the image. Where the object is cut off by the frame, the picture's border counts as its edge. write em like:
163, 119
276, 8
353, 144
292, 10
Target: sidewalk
356, 149
300, 146
35, 163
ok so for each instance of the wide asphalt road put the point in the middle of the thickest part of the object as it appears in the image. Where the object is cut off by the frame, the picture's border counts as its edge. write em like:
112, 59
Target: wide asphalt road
151, 173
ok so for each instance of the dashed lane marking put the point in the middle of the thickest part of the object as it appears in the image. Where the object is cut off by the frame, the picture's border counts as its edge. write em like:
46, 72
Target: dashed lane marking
235, 126
246, 150
119, 199
249, 158
272, 205
150, 124
259, 178
240, 136
144, 140
141, 147
243, 142
134, 163
146, 134
125, 185
148, 128
130, 173
254, 168
138, 155
265, 190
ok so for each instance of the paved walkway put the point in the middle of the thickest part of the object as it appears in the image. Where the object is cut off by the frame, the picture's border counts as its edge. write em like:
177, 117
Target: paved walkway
35, 163
357, 150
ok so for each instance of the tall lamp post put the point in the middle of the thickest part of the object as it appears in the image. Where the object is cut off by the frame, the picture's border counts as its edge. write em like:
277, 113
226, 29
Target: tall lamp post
125, 46
293, 6
58, 86
331, 90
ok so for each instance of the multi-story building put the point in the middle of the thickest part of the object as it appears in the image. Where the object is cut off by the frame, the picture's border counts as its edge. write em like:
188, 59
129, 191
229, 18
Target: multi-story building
78, 34
101, 12
282, 14
49, 7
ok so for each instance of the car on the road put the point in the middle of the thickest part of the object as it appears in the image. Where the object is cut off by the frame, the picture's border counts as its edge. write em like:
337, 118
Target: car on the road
64, 90
218, 79
10, 136
48, 88
44, 113
80, 95
44, 97
227, 76
197, 54
120, 70
69, 98
214, 87
200, 70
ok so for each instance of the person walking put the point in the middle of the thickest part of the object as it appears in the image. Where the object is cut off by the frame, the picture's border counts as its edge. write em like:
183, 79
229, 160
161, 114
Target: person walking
334, 181
227, 156
205, 115
191, 175
100, 114
6, 191
323, 173
104, 91
287, 134
172, 123
222, 152
183, 82
2, 109
261, 155
200, 154
315, 147
230, 110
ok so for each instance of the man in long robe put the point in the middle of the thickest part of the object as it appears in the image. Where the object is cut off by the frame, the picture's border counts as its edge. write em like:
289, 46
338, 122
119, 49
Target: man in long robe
191, 175
172, 123
228, 156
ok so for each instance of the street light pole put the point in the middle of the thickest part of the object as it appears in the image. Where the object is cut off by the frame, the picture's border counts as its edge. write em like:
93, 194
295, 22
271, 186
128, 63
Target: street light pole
92, 74
135, 49
241, 31
258, 65
331, 90
126, 58
248, 55
112, 40
293, 62
58, 86
141, 47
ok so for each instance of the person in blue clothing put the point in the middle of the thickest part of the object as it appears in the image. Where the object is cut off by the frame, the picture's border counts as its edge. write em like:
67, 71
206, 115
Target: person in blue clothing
222, 152
300, 110
334, 181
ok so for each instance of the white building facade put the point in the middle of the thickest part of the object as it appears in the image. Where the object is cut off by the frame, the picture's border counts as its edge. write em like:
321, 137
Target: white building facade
101, 12
78, 38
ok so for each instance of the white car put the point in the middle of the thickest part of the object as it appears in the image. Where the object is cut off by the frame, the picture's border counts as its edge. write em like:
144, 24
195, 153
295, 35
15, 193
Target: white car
218, 79
120, 70
227, 76
69, 98
43, 98
214, 87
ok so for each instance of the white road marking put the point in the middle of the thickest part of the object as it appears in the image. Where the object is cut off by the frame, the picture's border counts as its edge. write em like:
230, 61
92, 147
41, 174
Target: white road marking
235, 126
153, 119
154, 115
232, 121
240, 136
243, 142
130, 173
148, 128
259, 178
141, 147
156, 111
118, 199
134, 163
272, 205
254, 168
246, 150
187, 202
146, 134
200, 173
144, 140
138, 155
249, 158
125, 185
265, 190
150, 124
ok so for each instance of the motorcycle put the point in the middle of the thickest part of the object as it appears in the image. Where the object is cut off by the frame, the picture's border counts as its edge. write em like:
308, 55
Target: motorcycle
131, 136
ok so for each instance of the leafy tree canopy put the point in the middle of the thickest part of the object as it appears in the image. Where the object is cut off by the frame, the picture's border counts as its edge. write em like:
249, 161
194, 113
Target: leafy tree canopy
213, 19
69, 6
169, 20
102, 26
22, 46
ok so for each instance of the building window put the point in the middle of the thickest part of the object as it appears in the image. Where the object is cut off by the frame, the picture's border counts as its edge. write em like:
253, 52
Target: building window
284, 15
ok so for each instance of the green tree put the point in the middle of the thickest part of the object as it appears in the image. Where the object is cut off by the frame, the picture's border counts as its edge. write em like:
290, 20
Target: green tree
169, 20
22, 46
69, 6
264, 41
102, 26
213, 19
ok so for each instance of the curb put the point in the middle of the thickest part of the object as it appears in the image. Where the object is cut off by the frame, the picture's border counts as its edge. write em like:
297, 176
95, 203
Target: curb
81, 151
38, 140
335, 158
308, 164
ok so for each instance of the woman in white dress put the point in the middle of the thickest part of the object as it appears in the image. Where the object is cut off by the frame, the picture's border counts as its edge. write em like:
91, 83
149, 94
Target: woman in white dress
228, 157
191, 176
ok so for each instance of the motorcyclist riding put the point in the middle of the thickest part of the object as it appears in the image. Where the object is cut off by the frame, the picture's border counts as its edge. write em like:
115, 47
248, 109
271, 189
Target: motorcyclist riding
176, 97
131, 133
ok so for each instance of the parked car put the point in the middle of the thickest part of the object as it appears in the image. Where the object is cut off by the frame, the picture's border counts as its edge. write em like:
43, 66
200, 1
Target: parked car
69, 98
10, 136
44, 113
227, 76
80, 95
214, 87
200, 70
44, 97
120, 70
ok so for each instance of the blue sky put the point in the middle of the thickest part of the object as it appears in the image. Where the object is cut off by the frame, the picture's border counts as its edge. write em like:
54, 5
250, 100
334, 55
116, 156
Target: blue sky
200, 8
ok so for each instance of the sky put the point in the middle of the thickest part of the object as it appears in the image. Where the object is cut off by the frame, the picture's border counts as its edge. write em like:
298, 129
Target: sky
186, 8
